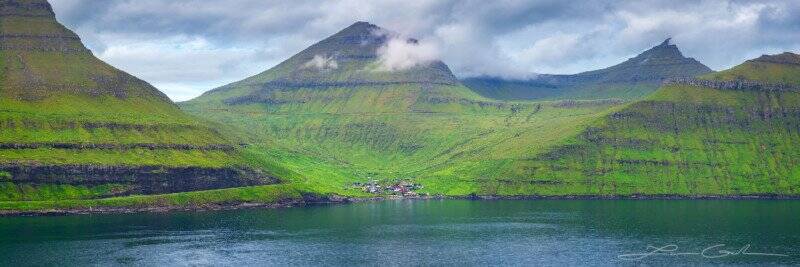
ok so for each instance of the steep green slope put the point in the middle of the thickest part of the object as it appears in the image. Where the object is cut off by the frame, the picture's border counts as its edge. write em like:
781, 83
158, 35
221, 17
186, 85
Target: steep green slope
735, 133
775, 69
633, 79
344, 74
331, 151
348, 120
74, 127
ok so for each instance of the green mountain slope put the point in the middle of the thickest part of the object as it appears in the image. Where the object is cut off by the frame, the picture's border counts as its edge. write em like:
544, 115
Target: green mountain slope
775, 69
74, 127
343, 74
348, 120
633, 79
736, 132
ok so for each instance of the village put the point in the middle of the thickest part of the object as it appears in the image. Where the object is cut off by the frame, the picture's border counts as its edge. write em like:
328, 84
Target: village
403, 188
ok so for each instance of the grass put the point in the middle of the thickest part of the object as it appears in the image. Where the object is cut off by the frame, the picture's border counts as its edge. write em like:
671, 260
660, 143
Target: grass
341, 136
74, 98
256, 194
32, 192
682, 141
52, 96
760, 71
121, 157
319, 140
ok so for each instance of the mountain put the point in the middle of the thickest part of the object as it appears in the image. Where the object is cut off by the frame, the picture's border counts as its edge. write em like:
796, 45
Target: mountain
335, 115
76, 133
735, 132
73, 127
634, 78
782, 68
348, 62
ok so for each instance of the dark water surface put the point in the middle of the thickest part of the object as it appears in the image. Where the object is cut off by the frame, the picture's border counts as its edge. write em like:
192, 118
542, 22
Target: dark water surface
438, 232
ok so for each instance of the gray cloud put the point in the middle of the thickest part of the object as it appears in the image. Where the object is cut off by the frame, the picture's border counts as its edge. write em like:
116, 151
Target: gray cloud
185, 47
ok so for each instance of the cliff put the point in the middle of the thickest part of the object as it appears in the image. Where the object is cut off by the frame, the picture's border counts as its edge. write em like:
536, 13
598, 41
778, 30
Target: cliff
72, 126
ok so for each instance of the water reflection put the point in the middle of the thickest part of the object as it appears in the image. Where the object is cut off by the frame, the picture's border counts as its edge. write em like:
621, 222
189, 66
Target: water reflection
452, 232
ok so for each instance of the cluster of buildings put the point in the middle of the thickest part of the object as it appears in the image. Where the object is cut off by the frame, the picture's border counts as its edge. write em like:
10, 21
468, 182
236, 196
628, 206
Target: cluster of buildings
401, 188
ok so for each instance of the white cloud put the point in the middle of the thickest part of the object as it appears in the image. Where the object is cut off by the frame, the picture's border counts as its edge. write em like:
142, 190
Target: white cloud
469, 51
321, 63
552, 51
178, 65
509, 38
402, 53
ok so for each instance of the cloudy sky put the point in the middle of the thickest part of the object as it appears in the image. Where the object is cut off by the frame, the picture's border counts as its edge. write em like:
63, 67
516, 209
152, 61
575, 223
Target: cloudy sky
186, 47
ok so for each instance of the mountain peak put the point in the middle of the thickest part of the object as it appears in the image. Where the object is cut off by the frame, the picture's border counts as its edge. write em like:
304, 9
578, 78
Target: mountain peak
31, 26
635, 77
359, 31
50, 60
26, 8
353, 57
665, 50
361, 26
656, 64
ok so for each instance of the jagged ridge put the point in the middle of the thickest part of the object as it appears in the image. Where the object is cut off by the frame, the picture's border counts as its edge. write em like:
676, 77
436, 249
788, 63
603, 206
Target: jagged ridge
634, 78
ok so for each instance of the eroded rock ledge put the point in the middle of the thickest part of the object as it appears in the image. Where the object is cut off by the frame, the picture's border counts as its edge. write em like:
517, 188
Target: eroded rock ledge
749, 85
265, 94
220, 147
141, 179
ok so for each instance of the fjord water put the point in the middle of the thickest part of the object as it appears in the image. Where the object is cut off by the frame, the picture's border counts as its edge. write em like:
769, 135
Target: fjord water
436, 232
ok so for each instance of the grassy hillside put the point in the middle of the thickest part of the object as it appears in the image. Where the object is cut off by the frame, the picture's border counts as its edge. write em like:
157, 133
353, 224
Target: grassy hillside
76, 133
776, 69
684, 140
333, 150
74, 127
356, 122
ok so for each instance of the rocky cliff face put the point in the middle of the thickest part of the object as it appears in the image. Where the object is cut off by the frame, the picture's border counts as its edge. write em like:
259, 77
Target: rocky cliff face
734, 84
137, 179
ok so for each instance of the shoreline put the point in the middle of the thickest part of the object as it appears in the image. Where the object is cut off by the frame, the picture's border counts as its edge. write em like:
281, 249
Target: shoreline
339, 200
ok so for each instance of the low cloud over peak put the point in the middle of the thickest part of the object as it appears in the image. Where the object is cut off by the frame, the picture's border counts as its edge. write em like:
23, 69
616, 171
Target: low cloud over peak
203, 44
403, 53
